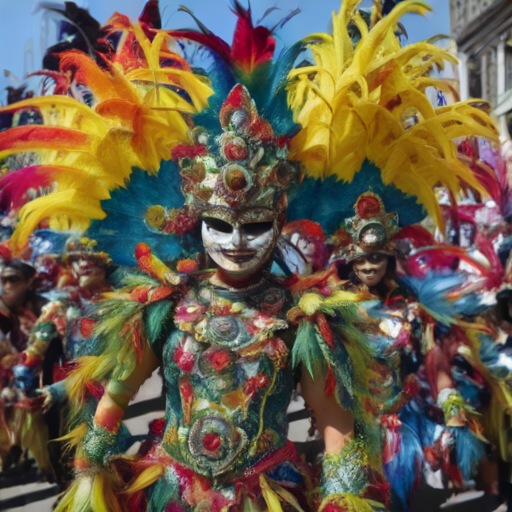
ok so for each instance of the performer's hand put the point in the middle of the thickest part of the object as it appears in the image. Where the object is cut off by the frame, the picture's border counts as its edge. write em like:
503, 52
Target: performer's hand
48, 398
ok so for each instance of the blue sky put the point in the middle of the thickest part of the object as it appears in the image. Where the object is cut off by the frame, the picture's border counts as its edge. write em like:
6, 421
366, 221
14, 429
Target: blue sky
21, 29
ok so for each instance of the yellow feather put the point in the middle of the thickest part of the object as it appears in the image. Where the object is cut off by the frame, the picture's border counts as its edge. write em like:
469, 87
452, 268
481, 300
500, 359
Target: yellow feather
85, 372
76, 205
140, 126
76, 497
367, 101
270, 497
74, 437
285, 495
146, 478
351, 503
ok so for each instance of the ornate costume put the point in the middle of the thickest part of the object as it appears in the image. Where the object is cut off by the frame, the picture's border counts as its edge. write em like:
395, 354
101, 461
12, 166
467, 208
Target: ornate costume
172, 159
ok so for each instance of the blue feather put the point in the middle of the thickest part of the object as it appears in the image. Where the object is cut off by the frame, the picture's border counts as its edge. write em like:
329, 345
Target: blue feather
273, 106
432, 292
125, 226
493, 358
404, 470
470, 390
417, 419
223, 80
470, 451
329, 202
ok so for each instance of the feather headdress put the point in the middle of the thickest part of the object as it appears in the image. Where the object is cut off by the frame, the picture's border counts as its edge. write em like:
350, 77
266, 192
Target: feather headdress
139, 114
367, 101
361, 105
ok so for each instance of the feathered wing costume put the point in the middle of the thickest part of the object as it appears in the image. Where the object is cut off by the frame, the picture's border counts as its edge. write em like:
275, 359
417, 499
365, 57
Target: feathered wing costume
357, 115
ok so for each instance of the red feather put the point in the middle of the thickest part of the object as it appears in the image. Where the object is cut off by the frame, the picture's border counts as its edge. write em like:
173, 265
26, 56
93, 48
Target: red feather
436, 362
150, 15
206, 37
330, 382
251, 45
15, 185
325, 330
38, 137
419, 236
61, 80
5, 253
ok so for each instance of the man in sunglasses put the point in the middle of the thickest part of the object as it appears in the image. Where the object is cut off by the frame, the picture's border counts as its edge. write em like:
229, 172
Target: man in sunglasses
20, 306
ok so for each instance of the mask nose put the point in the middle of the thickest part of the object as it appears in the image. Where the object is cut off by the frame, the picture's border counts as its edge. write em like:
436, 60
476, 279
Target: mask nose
238, 238
366, 265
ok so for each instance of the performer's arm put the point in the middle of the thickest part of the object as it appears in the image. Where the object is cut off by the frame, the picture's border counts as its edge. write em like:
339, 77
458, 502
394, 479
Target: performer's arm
336, 425
111, 408
100, 441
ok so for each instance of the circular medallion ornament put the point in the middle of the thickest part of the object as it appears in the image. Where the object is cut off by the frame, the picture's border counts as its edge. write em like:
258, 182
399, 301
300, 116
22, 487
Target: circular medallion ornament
228, 331
240, 120
234, 148
272, 300
215, 443
223, 328
236, 179
217, 360
372, 236
155, 216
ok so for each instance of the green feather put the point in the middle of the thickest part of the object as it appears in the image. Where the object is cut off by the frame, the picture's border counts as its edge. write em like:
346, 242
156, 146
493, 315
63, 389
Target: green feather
307, 350
165, 490
129, 278
155, 316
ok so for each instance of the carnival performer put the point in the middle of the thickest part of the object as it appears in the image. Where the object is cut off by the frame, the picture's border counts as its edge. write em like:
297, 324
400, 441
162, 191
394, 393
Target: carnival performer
240, 137
56, 338
20, 307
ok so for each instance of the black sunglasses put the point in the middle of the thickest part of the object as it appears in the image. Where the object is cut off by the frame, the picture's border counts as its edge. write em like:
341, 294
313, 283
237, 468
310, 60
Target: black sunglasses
10, 279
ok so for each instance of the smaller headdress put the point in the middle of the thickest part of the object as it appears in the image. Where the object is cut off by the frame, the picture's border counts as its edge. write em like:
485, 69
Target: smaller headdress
79, 247
371, 230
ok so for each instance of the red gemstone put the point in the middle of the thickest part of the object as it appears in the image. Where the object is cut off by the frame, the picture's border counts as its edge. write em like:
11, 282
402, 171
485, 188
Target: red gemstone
236, 151
211, 442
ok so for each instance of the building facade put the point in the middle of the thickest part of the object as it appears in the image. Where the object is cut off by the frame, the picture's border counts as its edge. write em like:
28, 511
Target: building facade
483, 32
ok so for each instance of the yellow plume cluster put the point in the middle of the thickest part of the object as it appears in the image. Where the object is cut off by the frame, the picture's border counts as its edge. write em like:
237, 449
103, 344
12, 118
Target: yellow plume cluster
367, 101
137, 118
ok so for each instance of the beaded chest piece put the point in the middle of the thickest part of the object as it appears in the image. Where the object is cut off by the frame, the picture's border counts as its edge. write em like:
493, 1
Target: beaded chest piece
228, 378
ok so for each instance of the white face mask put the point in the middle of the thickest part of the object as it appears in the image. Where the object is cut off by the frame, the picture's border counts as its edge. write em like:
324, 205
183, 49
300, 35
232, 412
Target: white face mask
237, 246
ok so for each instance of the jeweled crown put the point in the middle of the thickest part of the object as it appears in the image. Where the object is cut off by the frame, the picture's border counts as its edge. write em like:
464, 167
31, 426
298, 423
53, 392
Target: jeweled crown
250, 168
370, 230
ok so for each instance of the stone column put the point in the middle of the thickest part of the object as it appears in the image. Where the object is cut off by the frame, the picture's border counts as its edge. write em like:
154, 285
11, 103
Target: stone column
501, 82
483, 76
463, 77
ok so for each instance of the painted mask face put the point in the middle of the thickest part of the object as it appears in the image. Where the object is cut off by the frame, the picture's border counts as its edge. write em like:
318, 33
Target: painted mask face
240, 243
371, 269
